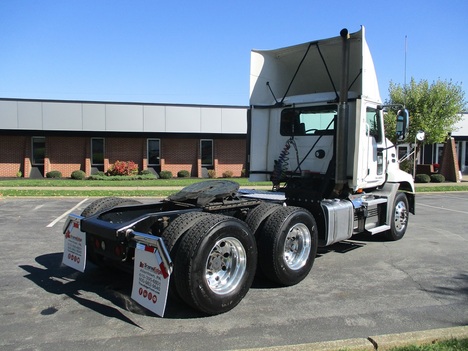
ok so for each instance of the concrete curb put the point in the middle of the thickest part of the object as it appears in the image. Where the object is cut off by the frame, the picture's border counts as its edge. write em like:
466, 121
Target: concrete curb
380, 342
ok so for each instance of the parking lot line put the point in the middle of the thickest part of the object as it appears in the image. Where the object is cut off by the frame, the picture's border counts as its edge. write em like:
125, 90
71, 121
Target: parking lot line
443, 208
51, 224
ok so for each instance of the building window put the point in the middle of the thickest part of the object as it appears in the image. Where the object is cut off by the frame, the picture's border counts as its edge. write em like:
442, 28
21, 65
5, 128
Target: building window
439, 153
206, 150
153, 152
38, 150
97, 151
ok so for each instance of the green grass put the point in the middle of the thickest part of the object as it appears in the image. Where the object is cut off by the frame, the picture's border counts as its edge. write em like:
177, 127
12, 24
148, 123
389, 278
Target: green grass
441, 188
174, 182
446, 345
30, 187
10, 187
12, 192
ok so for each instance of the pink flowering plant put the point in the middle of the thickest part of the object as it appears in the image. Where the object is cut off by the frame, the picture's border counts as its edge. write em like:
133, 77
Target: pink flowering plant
123, 168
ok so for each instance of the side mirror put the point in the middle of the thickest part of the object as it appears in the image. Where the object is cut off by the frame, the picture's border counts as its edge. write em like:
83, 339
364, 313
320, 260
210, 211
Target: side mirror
402, 124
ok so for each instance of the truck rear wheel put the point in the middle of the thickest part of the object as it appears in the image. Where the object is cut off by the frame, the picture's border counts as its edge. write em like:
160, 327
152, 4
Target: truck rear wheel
256, 217
399, 222
215, 264
287, 245
171, 235
102, 204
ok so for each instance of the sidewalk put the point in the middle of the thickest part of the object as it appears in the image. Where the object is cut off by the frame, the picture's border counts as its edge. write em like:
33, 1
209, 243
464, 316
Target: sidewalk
463, 182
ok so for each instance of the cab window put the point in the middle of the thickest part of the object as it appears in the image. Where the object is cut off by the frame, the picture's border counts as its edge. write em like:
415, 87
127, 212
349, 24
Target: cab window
314, 120
373, 121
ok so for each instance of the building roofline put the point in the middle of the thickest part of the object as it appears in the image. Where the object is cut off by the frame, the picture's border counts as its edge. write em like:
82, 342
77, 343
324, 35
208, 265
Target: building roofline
123, 103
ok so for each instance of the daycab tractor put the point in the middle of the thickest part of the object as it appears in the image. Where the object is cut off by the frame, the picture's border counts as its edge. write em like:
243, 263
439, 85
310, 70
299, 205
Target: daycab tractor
316, 131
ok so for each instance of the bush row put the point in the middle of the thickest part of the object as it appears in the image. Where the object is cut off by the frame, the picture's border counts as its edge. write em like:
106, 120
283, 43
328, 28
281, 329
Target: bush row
433, 178
129, 169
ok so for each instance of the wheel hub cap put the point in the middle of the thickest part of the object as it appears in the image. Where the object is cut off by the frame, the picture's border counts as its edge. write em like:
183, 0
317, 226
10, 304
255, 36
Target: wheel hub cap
225, 266
297, 246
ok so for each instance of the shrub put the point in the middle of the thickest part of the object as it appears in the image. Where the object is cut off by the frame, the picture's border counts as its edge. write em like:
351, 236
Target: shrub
79, 174
123, 168
211, 173
120, 178
244, 173
19, 174
165, 174
54, 174
437, 178
227, 174
146, 172
422, 178
183, 174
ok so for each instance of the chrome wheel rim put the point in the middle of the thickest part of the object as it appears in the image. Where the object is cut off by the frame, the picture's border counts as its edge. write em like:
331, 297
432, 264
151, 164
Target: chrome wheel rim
297, 246
225, 266
401, 216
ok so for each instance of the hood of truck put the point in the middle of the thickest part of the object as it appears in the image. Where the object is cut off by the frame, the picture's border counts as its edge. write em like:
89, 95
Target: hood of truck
319, 73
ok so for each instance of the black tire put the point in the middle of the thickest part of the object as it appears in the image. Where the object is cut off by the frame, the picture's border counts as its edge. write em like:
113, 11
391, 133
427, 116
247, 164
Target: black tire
97, 206
178, 227
106, 203
400, 217
172, 235
256, 217
215, 264
287, 245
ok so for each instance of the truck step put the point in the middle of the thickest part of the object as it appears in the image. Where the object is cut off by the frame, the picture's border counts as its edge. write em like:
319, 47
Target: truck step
374, 201
379, 229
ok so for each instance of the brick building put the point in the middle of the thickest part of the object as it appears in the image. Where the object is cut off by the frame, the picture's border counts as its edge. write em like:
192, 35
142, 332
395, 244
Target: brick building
39, 136
432, 153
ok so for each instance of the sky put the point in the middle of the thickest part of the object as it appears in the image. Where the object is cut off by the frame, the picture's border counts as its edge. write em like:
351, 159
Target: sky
198, 52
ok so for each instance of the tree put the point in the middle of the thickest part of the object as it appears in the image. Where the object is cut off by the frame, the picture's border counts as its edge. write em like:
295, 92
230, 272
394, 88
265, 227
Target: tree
434, 108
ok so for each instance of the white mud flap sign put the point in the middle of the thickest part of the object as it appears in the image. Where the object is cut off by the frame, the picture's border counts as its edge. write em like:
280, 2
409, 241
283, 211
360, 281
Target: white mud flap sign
74, 250
150, 279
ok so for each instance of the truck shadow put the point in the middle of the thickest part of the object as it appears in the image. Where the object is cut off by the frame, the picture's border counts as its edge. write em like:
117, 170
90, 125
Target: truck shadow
110, 284
115, 285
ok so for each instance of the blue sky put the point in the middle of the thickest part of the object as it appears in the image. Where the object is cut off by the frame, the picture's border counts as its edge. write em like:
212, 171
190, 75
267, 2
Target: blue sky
198, 52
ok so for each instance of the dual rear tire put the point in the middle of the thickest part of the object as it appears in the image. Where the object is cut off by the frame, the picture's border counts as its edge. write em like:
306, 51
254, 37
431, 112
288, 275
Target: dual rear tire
287, 239
214, 262
215, 256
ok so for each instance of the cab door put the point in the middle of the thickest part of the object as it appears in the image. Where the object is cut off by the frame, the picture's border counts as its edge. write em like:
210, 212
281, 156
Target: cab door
375, 139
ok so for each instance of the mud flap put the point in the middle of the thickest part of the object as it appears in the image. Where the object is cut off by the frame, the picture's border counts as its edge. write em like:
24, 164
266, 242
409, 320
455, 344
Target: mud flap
150, 279
74, 249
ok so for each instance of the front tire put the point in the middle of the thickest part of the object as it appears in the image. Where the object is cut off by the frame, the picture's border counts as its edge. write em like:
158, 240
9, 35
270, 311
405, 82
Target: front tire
215, 264
288, 245
400, 216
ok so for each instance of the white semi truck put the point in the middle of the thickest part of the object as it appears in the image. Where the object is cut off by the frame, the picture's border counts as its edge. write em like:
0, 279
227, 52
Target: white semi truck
316, 131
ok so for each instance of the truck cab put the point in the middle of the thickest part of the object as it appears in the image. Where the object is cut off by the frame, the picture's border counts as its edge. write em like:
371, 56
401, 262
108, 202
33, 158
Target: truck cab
316, 130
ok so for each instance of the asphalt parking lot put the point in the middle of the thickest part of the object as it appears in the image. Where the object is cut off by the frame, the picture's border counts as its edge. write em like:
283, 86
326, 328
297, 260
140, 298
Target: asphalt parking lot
356, 289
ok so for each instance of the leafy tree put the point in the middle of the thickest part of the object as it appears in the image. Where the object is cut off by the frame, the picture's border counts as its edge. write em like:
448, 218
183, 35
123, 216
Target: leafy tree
434, 108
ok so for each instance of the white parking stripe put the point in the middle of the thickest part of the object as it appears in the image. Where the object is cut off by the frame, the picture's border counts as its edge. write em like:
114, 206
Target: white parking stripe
442, 208
51, 224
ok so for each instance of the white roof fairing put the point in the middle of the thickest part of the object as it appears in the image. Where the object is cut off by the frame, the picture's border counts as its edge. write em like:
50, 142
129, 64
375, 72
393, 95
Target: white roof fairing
278, 67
